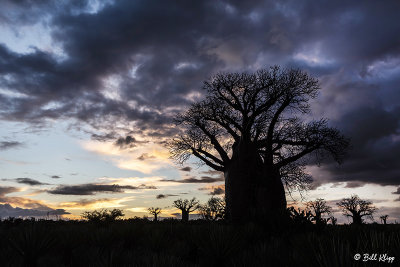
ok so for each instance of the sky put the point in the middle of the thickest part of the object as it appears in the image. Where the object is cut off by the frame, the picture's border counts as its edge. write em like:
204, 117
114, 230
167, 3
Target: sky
88, 91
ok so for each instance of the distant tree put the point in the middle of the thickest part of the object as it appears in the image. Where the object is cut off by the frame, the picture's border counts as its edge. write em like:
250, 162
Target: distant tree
357, 208
186, 206
384, 218
300, 216
102, 215
214, 209
318, 208
333, 220
154, 211
250, 128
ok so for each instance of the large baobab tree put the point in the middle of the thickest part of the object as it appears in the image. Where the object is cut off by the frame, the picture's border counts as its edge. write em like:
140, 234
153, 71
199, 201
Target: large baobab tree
357, 208
186, 206
250, 127
318, 208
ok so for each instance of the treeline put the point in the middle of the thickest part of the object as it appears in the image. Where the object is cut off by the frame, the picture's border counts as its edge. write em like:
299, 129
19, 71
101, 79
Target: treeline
317, 212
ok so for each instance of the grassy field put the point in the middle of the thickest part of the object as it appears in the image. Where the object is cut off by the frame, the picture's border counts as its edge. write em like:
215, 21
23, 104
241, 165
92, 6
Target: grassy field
138, 242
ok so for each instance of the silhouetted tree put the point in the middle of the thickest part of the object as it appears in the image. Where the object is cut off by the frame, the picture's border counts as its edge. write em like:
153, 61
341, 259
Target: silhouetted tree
214, 209
384, 218
154, 211
102, 215
300, 216
318, 208
333, 220
186, 206
249, 127
357, 208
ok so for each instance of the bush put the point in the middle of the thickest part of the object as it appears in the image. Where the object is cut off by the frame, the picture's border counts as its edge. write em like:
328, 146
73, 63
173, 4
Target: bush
102, 215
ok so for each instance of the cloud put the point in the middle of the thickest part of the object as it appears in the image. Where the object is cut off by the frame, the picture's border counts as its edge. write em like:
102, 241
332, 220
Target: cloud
24, 207
203, 179
103, 137
156, 156
4, 145
91, 189
148, 71
370, 160
214, 189
354, 184
127, 142
397, 191
82, 203
55, 176
145, 156
217, 191
186, 169
4, 190
28, 181
6, 210
161, 196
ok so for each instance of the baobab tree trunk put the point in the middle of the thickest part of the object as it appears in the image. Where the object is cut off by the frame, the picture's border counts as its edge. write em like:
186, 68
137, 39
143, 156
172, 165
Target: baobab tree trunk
270, 196
185, 216
356, 218
253, 191
240, 177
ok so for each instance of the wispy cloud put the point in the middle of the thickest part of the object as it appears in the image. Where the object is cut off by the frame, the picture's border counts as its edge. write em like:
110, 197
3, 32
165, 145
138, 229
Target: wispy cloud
4, 145
193, 180
146, 158
28, 181
91, 189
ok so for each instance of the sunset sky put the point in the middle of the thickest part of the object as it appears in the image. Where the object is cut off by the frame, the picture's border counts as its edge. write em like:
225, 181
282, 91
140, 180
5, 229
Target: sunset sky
88, 90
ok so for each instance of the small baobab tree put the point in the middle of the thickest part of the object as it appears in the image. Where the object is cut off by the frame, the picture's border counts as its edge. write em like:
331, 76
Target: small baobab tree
186, 206
250, 127
384, 218
318, 208
357, 208
154, 211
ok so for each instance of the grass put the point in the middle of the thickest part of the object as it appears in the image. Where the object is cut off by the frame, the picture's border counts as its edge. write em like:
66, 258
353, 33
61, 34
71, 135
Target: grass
197, 243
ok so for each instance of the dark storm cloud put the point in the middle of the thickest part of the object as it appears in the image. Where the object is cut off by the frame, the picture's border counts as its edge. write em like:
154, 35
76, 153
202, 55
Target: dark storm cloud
193, 180
157, 54
374, 134
398, 191
9, 144
91, 189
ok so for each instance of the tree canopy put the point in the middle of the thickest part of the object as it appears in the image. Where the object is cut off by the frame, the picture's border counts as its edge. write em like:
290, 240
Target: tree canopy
263, 108
186, 206
357, 208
